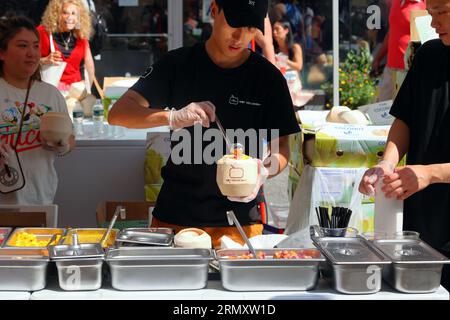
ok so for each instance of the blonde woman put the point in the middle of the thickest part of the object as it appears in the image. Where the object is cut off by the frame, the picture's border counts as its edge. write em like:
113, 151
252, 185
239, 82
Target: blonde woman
69, 23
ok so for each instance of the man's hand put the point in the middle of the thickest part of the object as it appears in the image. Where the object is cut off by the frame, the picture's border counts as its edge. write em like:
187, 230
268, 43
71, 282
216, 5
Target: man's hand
263, 173
197, 112
373, 175
406, 181
5, 154
60, 148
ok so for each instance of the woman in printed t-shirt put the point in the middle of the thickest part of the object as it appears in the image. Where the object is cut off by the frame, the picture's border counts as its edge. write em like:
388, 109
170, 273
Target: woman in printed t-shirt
19, 69
69, 23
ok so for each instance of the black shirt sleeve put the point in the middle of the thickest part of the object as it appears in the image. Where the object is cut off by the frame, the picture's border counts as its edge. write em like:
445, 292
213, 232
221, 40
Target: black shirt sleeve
155, 84
404, 103
279, 112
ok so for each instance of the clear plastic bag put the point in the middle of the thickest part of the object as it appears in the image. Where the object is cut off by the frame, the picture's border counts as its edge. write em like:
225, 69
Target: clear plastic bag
337, 187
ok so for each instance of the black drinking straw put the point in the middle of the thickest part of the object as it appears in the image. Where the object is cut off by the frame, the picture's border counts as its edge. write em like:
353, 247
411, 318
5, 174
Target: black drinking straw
327, 217
324, 222
318, 217
341, 217
324, 218
349, 214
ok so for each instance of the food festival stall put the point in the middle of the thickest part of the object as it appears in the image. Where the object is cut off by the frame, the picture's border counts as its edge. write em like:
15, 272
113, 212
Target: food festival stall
84, 262
333, 262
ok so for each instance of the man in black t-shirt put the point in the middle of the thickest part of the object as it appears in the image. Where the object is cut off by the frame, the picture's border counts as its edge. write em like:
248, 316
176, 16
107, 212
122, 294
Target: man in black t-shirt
220, 78
422, 130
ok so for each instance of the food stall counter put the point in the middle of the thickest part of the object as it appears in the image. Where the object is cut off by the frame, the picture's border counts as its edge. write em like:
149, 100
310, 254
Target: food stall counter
215, 291
14, 295
100, 168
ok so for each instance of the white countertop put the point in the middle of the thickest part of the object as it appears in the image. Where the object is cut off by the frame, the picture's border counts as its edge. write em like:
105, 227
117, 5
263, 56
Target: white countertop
15, 295
214, 291
114, 135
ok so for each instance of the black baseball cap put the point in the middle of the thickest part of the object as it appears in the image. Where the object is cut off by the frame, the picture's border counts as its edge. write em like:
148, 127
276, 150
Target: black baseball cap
245, 13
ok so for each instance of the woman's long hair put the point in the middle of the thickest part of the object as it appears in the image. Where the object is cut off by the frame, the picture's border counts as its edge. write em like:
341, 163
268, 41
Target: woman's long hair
52, 16
289, 37
9, 27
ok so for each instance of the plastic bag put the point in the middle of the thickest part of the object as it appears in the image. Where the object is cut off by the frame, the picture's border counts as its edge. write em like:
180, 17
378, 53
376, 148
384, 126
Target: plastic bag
158, 152
326, 187
52, 73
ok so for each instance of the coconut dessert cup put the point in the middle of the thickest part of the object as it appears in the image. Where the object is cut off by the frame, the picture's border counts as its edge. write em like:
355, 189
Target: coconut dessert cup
237, 173
56, 127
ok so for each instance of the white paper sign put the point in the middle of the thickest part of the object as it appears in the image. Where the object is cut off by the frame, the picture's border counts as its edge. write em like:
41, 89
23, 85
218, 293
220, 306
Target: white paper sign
425, 30
378, 113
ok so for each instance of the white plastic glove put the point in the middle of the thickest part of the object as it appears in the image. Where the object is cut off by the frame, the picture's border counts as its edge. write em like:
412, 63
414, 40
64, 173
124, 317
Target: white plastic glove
196, 112
263, 173
5, 154
61, 148
371, 176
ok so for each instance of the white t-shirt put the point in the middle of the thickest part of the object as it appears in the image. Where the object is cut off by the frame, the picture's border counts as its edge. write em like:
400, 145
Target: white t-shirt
293, 80
37, 164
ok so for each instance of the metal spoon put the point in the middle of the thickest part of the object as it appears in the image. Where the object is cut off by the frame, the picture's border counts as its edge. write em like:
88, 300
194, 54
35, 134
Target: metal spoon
63, 236
119, 210
224, 135
233, 220
52, 239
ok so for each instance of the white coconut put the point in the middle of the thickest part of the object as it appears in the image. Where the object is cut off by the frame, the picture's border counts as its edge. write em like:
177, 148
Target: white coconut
333, 115
236, 177
193, 238
354, 117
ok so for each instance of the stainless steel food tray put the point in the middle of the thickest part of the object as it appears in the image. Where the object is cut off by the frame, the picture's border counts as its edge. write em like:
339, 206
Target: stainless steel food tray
353, 266
416, 267
23, 269
79, 267
161, 237
269, 274
80, 275
44, 234
91, 235
150, 268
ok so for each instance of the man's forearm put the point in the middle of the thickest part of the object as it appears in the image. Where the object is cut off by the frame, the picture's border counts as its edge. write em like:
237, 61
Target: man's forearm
128, 114
440, 173
398, 142
279, 157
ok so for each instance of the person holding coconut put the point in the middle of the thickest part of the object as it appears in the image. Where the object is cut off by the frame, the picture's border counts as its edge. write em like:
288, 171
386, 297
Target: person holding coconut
20, 122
